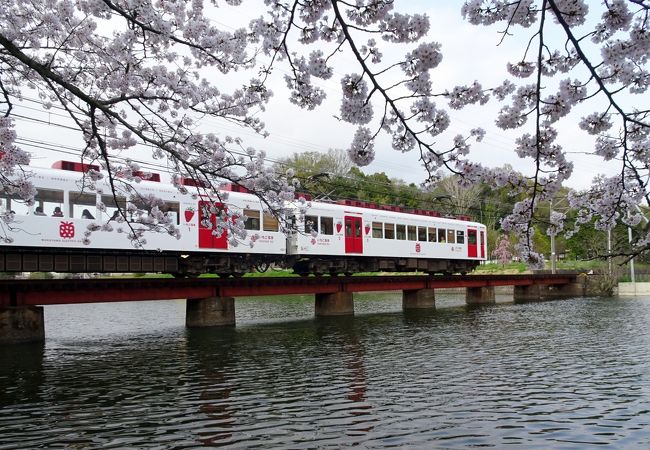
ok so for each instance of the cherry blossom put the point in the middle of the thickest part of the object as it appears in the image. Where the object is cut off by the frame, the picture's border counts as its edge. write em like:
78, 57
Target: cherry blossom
143, 74
604, 75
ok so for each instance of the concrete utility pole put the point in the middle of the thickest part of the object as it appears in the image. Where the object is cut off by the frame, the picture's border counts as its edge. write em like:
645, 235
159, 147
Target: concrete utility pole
632, 277
629, 237
609, 252
553, 256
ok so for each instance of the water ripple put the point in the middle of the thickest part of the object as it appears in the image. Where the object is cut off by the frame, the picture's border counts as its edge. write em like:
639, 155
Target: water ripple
567, 374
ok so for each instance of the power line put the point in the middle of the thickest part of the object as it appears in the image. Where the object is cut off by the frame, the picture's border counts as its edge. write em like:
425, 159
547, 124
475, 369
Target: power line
77, 151
365, 184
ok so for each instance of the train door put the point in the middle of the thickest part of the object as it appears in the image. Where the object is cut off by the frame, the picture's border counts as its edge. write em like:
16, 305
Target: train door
482, 244
207, 223
472, 249
353, 236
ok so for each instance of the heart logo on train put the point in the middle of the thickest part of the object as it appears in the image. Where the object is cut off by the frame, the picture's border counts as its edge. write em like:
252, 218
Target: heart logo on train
189, 213
367, 229
339, 225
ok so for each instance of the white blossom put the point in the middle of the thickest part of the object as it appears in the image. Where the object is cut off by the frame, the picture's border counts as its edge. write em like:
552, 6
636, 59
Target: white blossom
143, 75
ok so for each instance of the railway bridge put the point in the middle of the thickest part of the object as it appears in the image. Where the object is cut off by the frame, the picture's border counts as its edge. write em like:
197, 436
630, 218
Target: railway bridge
211, 301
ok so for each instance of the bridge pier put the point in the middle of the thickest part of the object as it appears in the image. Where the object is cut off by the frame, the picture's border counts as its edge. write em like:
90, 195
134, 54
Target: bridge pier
334, 304
21, 324
483, 295
418, 299
210, 312
536, 292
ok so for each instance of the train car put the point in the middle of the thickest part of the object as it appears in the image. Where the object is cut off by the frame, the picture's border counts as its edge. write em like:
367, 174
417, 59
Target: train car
51, 234
54, 234
358, 237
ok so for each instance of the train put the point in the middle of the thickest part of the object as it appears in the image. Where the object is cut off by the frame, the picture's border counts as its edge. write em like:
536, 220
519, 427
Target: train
324, 238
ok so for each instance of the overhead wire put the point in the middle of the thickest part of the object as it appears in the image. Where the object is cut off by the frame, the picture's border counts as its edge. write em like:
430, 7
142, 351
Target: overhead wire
44, 145
154, 166
497, 140
365, 184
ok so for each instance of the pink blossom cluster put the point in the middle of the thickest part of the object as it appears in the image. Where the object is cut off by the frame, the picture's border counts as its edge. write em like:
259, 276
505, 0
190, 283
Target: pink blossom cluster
607, 63
144, 73
133, 73
373, 87
503, 252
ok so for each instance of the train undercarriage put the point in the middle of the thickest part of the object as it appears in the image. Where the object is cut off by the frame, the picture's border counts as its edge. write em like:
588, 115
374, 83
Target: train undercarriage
350, 265
194, 264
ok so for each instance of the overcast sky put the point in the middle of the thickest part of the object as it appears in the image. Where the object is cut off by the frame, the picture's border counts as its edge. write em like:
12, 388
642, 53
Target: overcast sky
469, 53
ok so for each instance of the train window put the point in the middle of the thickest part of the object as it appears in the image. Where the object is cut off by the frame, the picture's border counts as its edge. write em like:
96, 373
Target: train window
412, 232
110, 204
311, 224
460, 237
451, 237
401, 232
377, 230
432, 234
83, 205
270, 222
13, 203
442, 235
327, 225
422, 234
389, 231
172, 210
252, 219
48, 202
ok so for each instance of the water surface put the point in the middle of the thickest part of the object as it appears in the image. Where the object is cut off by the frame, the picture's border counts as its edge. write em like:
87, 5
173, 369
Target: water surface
563, 374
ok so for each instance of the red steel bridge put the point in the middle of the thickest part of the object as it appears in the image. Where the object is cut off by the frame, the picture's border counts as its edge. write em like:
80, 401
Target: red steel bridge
210, 301
66, 291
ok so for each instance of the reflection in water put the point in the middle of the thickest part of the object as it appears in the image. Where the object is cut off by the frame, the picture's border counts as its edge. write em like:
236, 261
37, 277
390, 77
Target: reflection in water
212, 353
21, 373
565, 374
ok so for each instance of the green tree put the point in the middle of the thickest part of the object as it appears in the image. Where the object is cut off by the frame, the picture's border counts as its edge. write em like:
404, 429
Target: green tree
311, 167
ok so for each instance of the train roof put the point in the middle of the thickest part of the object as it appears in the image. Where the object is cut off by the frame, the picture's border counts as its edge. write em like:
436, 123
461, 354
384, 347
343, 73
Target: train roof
69, 171
389, 213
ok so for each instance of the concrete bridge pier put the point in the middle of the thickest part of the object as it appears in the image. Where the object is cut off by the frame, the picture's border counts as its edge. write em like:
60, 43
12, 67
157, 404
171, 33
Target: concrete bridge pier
418, 299
334, 304
537, 292
210, 312
483, 295
21, 324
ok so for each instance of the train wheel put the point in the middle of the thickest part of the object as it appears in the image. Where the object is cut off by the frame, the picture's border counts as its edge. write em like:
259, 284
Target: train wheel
262, 267
185, 275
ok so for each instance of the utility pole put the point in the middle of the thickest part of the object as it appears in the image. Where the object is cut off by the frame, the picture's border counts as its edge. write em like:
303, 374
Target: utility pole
609, 252
553, 256
632, 277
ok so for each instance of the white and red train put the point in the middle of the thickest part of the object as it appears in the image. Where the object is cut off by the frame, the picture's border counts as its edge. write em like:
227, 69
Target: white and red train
326, 238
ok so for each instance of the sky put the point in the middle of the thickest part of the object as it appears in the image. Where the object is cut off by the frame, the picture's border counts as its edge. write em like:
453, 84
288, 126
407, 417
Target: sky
469, 53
